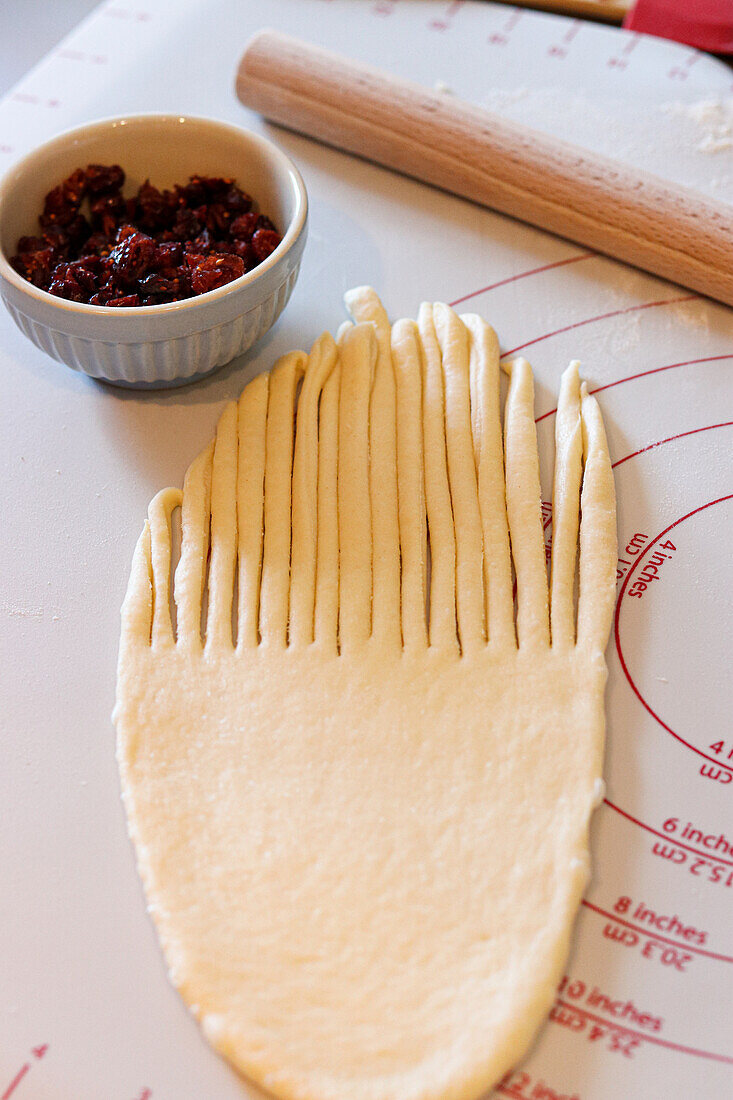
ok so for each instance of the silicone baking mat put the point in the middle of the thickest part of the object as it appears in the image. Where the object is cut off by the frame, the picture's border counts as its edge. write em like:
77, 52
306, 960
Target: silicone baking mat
86, 1009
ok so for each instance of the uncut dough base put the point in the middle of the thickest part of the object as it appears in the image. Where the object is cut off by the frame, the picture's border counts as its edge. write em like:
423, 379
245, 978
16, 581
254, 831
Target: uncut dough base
363, 828
373, 901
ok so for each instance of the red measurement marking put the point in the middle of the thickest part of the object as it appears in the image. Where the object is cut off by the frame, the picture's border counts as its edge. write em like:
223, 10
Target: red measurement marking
524, 275
663, 836
647, 1038
573, 31
502, 39
452, 10
622, 61
77, 55
513, 19
602, 317
680, 72
644, 374
37, 1052
622, 593
670, 439
127, 13
33, 100
15, 1082
567, 38
655, 935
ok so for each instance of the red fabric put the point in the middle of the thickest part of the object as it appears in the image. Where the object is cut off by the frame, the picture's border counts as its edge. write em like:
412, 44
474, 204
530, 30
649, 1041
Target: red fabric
706, 24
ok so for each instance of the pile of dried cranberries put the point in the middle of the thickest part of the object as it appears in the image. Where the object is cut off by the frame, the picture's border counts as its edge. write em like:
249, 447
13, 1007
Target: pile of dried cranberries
158, 246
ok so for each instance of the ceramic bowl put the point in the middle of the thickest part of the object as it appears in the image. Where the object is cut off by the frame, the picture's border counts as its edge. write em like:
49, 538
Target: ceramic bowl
174, 343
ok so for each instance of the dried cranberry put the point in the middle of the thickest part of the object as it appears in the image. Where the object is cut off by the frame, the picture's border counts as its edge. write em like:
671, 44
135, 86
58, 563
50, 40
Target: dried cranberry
167, 255
186, 225
209, 187
237, 201
57, 209
160, 284
101, 298
244, 226
101, 177
192, 193
30, 244
238, 248
202, 243
85, 273
77, 232
106, 211
264, 242
75, 187
155, 247
217, 218
131, 258
215, 271
124, 231
125, 300
98, 244
154, 210
56, 237
35, 266
65, 284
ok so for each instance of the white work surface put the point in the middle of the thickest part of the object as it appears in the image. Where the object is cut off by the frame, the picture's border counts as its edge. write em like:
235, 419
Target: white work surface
86, 1010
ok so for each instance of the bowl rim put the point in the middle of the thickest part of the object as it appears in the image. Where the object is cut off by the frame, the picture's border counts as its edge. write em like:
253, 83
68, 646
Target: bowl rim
83, 309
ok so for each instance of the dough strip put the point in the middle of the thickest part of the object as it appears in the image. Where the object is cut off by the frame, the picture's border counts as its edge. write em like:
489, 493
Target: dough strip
453, 341
406, 356
275, 586
250, 507
305, 493
364, 306
327, 559
441, 533
566, 508
358, 357
598, 538
489, 457
523, 508
223, 531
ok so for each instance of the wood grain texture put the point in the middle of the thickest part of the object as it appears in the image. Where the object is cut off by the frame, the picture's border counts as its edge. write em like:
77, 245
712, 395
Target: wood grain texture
603, 204
611, 11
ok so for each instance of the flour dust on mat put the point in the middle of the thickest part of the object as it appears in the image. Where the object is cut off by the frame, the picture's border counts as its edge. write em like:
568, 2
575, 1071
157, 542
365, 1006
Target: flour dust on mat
360, 790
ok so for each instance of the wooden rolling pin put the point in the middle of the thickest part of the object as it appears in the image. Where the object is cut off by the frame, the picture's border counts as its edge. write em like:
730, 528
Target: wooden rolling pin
605, 205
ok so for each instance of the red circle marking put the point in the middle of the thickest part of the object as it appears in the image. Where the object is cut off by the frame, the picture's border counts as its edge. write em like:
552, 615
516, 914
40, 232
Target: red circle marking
728, 1059
671, 439
654, 935
524, 275
666, 836
644, 374
619, 603
601, 317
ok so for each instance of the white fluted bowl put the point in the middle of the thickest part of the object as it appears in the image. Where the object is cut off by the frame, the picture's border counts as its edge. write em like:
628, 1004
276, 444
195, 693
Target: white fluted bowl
175, 343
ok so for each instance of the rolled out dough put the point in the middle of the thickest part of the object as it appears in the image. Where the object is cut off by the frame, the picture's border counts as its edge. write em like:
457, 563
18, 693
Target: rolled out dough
360, 800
